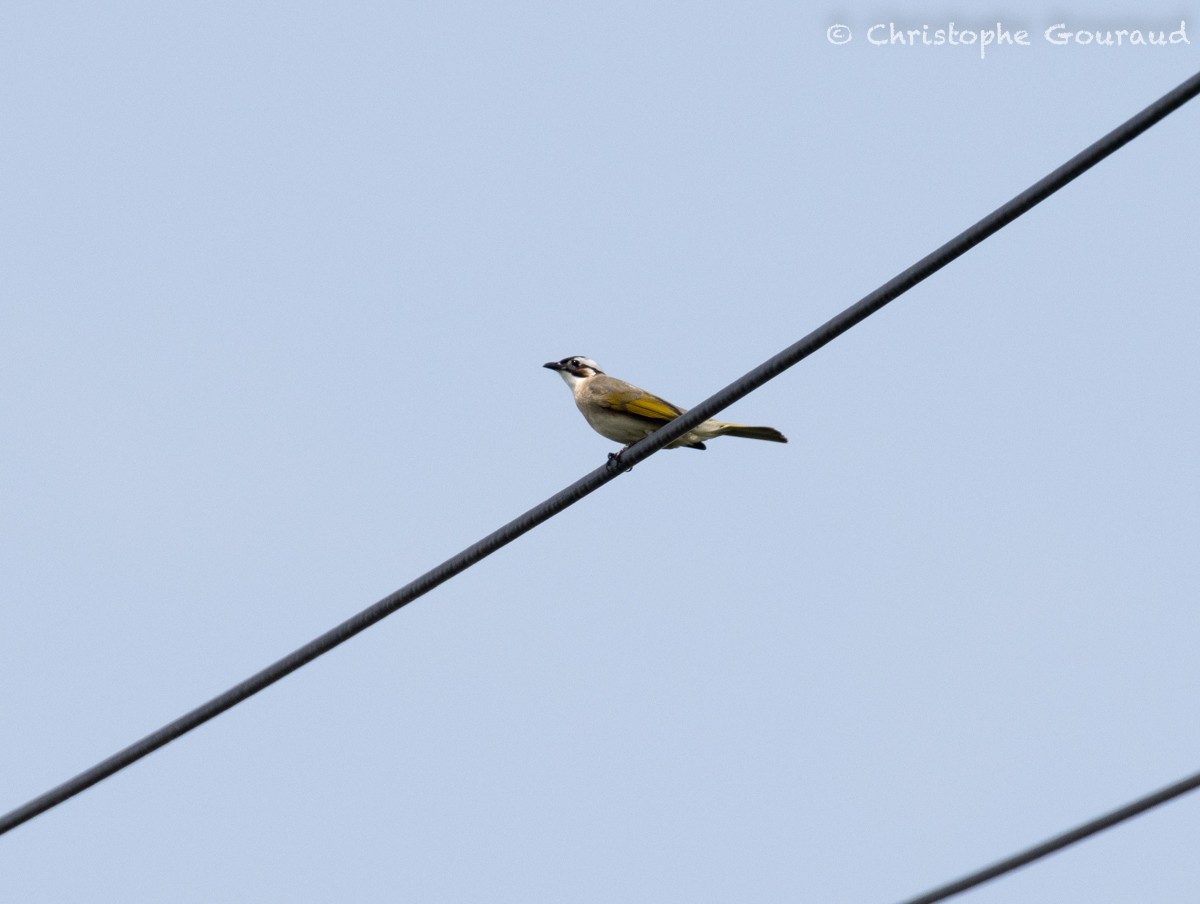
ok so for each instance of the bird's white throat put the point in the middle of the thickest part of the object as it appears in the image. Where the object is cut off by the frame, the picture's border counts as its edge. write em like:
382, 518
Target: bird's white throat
572, 380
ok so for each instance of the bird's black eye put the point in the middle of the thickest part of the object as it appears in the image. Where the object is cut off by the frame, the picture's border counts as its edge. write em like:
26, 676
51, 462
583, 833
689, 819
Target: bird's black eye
574, 362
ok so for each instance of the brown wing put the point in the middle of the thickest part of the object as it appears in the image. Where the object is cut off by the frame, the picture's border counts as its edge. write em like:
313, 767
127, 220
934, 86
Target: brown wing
642, 404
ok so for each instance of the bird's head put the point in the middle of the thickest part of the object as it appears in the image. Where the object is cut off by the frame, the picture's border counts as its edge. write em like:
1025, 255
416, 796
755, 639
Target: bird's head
574, 369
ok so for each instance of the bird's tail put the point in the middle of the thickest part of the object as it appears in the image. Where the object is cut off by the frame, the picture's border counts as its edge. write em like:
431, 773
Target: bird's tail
768, 433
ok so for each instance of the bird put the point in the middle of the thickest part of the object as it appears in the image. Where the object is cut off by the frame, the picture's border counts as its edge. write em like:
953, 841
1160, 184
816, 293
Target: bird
625, 414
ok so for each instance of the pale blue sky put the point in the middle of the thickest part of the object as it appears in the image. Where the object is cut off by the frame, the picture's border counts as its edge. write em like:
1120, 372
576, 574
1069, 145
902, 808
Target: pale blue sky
279, 279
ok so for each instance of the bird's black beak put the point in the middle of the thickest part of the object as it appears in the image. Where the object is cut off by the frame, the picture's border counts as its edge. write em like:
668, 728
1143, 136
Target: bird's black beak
554, 365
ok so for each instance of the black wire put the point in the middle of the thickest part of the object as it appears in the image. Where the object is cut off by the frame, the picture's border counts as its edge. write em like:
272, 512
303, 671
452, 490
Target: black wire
927, 266
957, 246
1058, 842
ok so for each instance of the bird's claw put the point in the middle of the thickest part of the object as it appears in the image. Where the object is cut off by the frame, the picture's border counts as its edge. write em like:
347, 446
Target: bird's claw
614, 461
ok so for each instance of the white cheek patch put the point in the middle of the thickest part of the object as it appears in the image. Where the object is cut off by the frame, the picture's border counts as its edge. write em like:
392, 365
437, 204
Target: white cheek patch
570, 379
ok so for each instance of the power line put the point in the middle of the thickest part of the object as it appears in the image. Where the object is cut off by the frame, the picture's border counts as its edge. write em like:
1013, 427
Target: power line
1058, 842
770, 369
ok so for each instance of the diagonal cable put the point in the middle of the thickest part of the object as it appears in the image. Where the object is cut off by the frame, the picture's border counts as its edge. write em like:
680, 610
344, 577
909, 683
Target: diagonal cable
768, 370
1058, 842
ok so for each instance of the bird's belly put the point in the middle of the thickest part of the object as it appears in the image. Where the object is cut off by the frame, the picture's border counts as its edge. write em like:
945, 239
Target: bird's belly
618, 426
